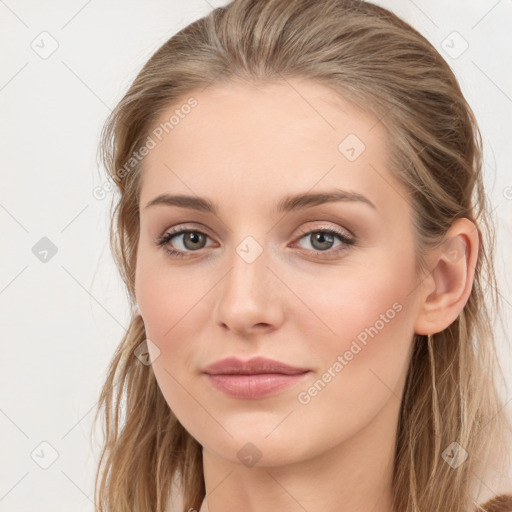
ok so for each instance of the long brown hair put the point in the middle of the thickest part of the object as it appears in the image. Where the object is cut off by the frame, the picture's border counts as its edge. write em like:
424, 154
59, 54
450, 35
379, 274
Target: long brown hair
371, 57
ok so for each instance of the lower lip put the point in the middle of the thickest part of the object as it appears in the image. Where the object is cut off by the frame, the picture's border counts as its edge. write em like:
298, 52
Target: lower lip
254, 386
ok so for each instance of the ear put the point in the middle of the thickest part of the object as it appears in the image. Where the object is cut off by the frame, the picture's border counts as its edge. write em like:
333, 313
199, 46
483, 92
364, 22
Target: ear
445, 291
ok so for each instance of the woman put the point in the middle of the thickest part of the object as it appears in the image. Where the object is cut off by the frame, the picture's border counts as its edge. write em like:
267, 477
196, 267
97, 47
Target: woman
303, 230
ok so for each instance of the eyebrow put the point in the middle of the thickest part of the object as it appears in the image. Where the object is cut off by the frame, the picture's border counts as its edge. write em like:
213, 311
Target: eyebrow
287, 204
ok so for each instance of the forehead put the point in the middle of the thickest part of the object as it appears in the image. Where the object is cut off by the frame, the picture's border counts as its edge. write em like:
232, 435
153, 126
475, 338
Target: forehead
253, 141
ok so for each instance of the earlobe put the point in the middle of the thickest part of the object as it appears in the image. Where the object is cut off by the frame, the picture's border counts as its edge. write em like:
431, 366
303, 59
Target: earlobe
446, 290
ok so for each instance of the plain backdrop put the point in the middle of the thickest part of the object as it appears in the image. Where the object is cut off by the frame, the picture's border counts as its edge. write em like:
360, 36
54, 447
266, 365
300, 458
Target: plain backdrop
64, 65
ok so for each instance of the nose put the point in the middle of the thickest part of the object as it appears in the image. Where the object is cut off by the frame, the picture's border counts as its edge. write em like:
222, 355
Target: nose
249, 297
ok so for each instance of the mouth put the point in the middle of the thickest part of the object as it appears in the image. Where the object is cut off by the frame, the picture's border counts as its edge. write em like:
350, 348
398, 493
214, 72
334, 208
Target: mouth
257, 378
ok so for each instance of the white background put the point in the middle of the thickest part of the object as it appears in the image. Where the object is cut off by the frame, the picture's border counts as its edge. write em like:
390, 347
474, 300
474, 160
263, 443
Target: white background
61, 320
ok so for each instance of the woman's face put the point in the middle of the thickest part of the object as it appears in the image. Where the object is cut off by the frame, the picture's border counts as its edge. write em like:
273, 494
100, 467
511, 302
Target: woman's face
276, 270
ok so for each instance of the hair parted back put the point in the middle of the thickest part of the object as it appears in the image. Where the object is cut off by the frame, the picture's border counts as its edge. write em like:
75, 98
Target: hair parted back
374, 59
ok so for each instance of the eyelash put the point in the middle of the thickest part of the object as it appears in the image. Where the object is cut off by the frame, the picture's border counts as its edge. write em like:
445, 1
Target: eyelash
163, 240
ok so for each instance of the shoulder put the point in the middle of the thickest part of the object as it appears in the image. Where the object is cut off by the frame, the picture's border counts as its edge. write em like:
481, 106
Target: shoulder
501, 503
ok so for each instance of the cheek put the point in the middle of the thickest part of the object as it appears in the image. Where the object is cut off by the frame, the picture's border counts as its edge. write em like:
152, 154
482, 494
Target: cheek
169, 306
172, 302
365, 315
363, 367
355, 296
167, 297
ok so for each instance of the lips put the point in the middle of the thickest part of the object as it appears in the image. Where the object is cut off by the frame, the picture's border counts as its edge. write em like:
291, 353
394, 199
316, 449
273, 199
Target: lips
257, 365
257, 378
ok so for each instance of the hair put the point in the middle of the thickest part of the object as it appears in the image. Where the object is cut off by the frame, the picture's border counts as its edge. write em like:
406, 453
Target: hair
380, 63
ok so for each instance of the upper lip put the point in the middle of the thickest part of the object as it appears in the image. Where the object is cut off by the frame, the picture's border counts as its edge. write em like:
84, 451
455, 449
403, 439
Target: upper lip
256, 365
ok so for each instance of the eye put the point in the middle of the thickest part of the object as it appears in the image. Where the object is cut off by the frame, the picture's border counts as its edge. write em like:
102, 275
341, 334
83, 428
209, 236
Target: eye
192, 240
322, 240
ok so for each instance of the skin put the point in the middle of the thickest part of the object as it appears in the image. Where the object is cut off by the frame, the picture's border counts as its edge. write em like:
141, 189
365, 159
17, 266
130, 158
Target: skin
245, 147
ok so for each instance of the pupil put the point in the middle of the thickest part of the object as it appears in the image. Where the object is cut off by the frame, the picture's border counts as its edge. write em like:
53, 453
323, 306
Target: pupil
194, 237
324, 238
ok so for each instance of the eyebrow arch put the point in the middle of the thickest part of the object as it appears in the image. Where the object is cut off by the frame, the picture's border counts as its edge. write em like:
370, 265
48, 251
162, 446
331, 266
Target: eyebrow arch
307, 200
287, 204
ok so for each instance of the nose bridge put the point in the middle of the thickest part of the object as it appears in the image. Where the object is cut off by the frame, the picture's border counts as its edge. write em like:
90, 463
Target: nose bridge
247, 297
248, 276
